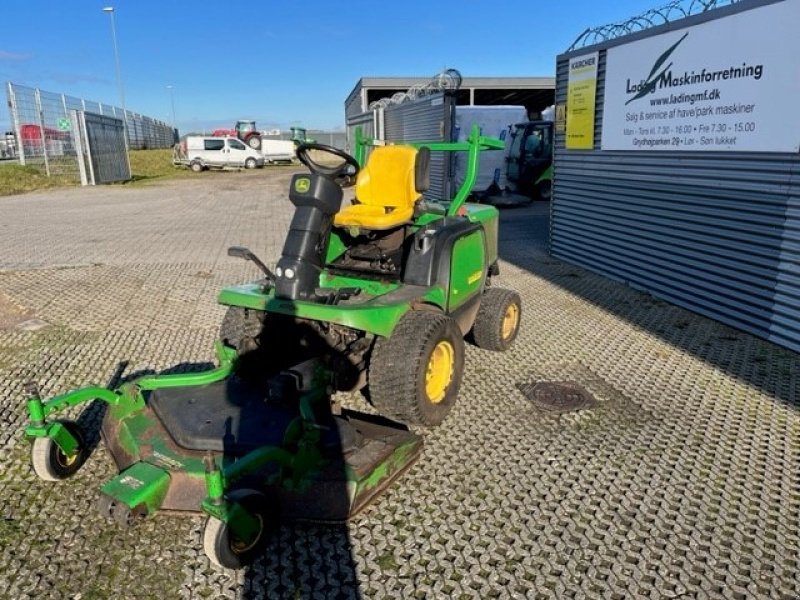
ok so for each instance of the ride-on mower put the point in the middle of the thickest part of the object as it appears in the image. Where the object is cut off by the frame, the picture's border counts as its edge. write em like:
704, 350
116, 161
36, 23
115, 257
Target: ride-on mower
376, 296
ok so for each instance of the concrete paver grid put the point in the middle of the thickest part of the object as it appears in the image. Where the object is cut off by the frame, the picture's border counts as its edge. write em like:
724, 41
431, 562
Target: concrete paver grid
682, 482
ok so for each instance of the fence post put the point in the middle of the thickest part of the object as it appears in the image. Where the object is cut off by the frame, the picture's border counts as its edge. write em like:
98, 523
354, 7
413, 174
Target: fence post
76, 133
12, 98
125, 135
38, 99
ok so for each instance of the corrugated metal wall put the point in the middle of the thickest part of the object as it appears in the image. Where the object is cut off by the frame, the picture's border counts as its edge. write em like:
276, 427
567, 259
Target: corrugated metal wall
715, 232
365, 121
429, 118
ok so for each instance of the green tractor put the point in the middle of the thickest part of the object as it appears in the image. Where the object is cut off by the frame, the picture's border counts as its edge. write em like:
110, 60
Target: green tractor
300, 136
377, 296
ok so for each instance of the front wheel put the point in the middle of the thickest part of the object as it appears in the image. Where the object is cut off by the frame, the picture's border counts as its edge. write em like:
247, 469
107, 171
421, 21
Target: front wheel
227, 550
250, 163
50, 463
415, 373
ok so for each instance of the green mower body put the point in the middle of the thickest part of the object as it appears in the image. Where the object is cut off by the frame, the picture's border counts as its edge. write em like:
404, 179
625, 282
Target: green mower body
451, 282
378, 308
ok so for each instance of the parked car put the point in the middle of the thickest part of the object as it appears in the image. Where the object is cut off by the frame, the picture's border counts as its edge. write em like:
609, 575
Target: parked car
200, 152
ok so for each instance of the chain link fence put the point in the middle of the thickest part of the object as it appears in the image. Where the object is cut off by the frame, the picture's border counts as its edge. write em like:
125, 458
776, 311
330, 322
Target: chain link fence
43, 129
338, 139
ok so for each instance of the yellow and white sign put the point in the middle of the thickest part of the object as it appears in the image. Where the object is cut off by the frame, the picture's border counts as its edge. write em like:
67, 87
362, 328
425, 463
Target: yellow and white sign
581, 92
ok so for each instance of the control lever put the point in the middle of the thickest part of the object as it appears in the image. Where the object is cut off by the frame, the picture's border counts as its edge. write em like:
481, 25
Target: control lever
245, 253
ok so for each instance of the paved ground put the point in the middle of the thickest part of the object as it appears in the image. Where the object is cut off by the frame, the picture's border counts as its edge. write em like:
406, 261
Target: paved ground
683, 481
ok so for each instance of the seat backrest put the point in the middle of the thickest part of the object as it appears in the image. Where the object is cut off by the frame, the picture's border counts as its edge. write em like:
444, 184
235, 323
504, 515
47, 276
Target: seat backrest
392, 177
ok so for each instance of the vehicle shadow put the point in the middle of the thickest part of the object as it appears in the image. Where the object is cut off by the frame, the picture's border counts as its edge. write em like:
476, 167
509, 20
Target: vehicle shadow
309, 552
303, 560
771, 369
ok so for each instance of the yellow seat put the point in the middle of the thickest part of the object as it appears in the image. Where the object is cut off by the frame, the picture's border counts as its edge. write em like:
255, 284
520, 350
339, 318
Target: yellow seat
386, 190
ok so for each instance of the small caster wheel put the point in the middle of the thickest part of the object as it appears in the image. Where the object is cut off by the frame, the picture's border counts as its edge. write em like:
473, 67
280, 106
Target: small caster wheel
128, 517
122, 515
106, 506
50, 463
222, 546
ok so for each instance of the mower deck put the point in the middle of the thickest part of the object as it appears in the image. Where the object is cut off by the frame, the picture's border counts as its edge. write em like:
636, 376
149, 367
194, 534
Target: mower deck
359, 454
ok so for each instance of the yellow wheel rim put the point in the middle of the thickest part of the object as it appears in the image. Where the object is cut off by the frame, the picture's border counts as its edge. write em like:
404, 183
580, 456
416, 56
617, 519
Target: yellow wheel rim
510, 321
64, 460
440, 371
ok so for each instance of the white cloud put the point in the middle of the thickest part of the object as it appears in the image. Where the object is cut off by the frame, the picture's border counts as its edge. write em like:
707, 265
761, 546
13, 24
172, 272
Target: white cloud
6, 55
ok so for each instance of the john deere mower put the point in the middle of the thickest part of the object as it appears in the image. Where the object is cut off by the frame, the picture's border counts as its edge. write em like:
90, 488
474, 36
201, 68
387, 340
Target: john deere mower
377, 296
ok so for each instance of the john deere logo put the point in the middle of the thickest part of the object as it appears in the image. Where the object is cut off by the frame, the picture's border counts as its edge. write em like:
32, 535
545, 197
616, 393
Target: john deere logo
301, 186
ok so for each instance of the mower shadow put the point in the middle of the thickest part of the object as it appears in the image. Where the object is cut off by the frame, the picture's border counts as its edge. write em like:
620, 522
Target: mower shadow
524, 241
302, 559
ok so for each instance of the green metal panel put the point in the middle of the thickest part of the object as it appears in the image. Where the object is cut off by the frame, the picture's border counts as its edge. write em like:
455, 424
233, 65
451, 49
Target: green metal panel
336, 247
373, 315
141, 483
488, 216
467, 269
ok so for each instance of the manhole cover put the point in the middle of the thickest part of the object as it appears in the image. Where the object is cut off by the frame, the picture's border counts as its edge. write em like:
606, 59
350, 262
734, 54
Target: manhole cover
554, 396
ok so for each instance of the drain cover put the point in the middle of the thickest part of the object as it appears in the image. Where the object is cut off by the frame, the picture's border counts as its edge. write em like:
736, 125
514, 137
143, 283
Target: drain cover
557, 396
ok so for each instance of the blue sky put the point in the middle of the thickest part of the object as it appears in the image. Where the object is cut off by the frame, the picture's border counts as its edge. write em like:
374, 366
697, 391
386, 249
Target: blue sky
279, 62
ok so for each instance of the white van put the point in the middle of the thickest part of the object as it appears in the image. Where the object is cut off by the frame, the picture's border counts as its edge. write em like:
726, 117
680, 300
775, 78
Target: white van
200, 152
278, 151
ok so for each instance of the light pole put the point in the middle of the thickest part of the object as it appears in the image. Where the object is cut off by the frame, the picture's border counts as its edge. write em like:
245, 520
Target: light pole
172, 101
110, 11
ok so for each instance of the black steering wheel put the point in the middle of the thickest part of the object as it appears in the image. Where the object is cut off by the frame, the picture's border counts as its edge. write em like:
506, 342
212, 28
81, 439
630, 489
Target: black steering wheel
343, 174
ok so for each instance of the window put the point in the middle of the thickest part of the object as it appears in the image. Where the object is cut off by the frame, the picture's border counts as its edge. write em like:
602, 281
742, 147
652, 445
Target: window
533, 144
236, 144
244, 127
213, 144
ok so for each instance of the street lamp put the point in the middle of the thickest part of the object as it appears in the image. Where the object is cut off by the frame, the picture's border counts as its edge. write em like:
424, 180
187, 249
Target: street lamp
110, 11
172, 101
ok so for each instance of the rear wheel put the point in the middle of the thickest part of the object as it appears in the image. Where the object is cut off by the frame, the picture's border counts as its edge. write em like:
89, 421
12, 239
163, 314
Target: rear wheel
254, 142
497, 323
196, 166
50, 463
415, 373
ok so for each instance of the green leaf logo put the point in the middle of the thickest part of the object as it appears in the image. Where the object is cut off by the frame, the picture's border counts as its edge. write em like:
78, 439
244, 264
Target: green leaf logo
650, 84
302, 185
